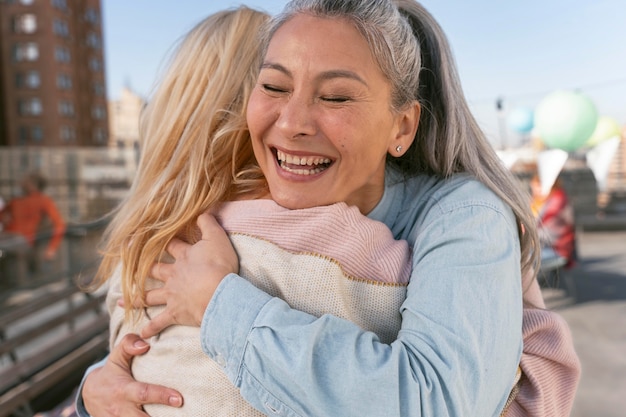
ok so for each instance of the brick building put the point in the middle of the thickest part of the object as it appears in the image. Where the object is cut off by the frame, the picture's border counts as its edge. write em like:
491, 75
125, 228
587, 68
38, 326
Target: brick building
52, 82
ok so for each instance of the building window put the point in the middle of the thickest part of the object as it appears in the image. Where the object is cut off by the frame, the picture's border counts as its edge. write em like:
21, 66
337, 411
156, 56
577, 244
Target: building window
30, 107
28, 51
64, 82
26, 23
28, 79
98, 112
36, 134
22, 135
60, 4
92, 16
60, 28
62, 54
66, 108
67, 134
93, 40
98, 89
95, 64
99, 135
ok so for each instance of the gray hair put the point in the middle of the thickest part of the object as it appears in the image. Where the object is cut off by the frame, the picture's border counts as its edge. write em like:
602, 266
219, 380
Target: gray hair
388, 34
413, 52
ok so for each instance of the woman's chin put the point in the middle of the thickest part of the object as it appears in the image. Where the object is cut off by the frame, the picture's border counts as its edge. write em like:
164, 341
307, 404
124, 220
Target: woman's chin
298, 202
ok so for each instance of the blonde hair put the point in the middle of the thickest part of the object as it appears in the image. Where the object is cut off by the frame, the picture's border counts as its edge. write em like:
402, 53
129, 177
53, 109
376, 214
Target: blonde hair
195, 149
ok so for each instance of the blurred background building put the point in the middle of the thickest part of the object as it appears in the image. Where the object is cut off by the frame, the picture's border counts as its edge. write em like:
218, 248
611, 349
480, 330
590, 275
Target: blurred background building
52, 74
124, 120
54, 115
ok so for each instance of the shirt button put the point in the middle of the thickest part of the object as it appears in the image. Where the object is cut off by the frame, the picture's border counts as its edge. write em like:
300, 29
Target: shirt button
221, 361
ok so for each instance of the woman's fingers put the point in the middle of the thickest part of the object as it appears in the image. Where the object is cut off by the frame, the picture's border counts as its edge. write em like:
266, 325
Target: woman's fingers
141, 393
161, 271
157, 324
177, 248
130, 346
112, 390
191, 279
207, 223
156, 297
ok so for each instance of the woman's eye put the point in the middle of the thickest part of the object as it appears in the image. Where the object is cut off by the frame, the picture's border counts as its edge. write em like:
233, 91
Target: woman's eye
336, 99
273, 89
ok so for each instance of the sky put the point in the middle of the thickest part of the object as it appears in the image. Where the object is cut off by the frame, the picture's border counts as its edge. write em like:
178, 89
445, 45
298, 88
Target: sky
517, 51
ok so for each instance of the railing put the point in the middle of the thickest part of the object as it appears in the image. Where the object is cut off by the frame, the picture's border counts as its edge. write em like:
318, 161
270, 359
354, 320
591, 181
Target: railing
23, 267
50, 329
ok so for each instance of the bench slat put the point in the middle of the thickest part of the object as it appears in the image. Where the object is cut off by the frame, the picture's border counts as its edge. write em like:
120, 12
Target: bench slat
18, 340
21, 394
37, 304
23, 370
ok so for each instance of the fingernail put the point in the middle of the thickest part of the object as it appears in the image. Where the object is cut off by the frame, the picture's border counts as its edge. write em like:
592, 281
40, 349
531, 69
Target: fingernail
140, 344
175, 401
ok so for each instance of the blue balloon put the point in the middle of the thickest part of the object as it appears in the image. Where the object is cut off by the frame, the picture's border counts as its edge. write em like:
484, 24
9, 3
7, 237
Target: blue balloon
521, 120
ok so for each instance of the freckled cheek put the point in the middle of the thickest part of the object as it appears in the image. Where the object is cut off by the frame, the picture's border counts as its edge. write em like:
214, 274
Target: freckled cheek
345, 137
339, 130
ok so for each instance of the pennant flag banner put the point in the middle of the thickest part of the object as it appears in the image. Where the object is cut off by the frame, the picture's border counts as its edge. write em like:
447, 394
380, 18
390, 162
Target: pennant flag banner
508, 158
599, 160
549, 165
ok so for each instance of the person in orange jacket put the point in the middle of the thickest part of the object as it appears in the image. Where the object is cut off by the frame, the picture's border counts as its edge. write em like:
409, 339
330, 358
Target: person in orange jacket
23, 215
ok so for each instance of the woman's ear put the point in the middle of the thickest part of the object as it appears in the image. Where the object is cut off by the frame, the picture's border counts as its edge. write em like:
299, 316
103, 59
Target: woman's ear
408, 120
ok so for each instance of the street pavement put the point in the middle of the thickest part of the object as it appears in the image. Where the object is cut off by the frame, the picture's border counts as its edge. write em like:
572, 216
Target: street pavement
592, 299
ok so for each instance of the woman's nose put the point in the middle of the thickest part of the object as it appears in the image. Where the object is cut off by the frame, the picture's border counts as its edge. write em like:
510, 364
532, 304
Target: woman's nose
295, 118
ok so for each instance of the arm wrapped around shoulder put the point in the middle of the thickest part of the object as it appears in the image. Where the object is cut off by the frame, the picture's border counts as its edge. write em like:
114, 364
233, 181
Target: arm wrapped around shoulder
550, 366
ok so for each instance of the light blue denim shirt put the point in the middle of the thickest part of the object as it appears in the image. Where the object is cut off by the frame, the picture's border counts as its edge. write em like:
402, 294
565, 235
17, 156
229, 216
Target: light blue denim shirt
461, 337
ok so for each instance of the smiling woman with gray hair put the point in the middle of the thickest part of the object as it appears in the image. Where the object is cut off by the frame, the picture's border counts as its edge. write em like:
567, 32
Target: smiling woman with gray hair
359, 105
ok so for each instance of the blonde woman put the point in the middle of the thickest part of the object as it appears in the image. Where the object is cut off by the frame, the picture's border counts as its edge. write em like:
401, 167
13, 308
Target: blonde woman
197, 157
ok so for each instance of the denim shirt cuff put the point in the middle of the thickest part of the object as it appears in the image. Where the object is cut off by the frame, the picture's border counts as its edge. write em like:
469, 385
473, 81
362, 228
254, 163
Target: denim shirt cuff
79, 403
223, 337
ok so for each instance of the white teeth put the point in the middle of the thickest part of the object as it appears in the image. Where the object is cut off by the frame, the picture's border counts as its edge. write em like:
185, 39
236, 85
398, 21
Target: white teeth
303, 161
302, 171
290, 162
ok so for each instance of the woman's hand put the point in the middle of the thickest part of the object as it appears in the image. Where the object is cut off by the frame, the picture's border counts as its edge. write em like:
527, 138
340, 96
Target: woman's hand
190, 281
112, 391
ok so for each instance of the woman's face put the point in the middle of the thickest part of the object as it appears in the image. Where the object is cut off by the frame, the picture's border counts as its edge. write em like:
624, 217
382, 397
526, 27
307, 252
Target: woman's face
320, 116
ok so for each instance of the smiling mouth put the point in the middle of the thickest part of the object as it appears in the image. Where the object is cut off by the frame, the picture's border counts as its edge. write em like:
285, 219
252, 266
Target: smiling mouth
302, 165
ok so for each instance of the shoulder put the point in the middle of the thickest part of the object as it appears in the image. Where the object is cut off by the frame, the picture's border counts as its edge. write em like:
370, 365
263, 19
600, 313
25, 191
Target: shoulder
425, 199
448, 194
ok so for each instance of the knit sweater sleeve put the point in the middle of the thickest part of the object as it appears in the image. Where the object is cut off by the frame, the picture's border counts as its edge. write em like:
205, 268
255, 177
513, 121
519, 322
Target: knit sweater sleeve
550, 365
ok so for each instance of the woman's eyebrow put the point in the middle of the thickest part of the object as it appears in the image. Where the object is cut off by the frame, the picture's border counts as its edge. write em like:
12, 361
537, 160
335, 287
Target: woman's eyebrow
328, 75
325, 75
275, 66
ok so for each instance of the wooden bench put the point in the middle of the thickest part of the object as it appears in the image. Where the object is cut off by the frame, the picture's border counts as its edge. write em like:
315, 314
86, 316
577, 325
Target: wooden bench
47, 344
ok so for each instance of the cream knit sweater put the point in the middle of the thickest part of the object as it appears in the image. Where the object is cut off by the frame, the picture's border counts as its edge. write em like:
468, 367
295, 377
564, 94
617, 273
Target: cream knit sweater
360, 276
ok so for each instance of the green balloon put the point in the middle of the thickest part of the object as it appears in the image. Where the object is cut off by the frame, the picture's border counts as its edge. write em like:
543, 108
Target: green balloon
606, 128
565, 120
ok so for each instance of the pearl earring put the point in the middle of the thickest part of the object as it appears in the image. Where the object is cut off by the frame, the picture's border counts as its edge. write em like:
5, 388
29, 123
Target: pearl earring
398, 148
